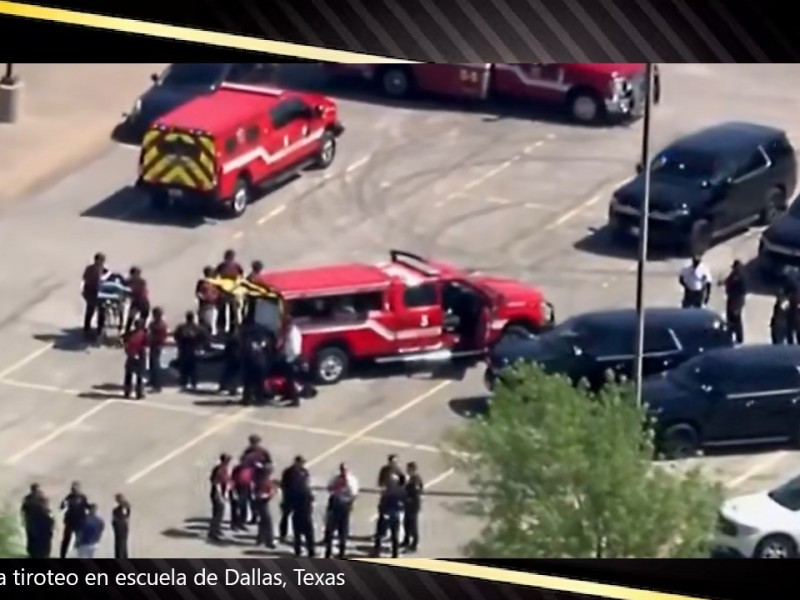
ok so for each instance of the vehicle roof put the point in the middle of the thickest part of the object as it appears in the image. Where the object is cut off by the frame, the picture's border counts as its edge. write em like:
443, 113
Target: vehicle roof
659, 317
786, 355
734, 136
224, 109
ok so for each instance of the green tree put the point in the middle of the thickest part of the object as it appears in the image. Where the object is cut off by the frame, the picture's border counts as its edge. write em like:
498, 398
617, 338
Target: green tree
561, 472
10, 544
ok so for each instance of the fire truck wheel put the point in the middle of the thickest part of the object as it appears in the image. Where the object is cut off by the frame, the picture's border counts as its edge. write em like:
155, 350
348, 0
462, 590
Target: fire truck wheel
585, 107
327, 152
241, 198
396, 82
330, 365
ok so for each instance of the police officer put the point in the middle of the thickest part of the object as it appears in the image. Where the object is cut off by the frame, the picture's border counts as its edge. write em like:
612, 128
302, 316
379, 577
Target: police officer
39, 523
256, 269
735, 295
695, 279
135, 349
255, 452
220, 483
92, 277
343, 490
265, 491
779, 323
257, 351
120, 524
229, 269
390, 510
292, 481
157, 335
75, 506
414, 488
241, 494
139, 298
231, 367
391, 468
189, 339
303, 519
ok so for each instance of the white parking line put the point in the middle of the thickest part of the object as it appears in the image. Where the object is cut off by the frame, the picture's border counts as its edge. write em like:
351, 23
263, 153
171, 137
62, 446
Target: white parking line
358, 164
498, 201
25, 361
362, 433
56, 433
758, 468
272, 214
223, 423
570, 214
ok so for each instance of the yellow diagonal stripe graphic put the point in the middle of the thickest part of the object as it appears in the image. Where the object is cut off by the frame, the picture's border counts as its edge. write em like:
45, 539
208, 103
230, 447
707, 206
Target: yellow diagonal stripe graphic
545, 582
187, 34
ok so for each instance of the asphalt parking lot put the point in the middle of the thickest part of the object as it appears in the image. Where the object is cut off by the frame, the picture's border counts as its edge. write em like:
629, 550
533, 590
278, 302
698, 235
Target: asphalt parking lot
494, 192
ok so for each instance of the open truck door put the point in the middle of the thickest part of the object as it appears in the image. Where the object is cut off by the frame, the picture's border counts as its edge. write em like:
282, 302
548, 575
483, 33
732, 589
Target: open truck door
258, 303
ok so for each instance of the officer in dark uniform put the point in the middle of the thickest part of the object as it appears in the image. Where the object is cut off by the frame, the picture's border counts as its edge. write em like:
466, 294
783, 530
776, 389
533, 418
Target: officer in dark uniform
735, 296
189, 338
92, 276
120, 524
231, 365
779, 323
139, 298
257, 353
391, 468
265, 490
241, 494
792, 288
343, 491
414, 488
39, 523
75, 506
256, 269
220, 484
303, 519
390, 511
157, 335
292, 481
135, 350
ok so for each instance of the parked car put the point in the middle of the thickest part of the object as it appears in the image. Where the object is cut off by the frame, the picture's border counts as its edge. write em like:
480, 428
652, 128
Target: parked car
727, 397
779, 248
180, 83
762, 525
589, 346
708, 185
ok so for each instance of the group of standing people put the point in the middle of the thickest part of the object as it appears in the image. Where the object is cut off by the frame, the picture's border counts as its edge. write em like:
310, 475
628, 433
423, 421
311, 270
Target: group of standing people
82, 527
784, 324
249, 488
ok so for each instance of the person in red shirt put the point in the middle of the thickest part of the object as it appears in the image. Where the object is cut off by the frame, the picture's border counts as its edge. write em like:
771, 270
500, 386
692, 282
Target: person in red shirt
157, 335
266, 489
90, 289
255, 453
220, 480
207, 295
140, 298
229, 268
241, 497
135, 349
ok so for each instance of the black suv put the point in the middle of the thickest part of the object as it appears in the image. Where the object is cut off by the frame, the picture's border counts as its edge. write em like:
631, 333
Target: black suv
709, 184
591, 345
779, 248
733, 396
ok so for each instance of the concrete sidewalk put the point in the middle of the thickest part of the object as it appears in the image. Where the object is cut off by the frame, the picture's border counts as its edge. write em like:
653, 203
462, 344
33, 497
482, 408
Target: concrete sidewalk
68, 113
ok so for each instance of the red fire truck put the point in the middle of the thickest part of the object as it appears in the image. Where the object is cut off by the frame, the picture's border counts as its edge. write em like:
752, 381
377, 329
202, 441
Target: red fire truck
591, 92
407, 309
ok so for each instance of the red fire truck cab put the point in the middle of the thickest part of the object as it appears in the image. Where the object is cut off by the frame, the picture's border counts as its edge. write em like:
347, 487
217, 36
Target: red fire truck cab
407, 309
219, 149
591, 92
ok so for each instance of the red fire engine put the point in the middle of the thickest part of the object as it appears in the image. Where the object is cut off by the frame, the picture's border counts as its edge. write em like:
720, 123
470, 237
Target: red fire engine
219, 149
591, 92
407, 309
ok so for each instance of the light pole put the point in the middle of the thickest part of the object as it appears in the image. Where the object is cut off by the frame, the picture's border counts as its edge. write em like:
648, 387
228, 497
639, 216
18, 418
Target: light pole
644, 220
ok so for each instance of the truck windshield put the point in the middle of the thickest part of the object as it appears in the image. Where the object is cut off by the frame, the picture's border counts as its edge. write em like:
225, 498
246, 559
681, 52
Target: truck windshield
186, 74
692, 166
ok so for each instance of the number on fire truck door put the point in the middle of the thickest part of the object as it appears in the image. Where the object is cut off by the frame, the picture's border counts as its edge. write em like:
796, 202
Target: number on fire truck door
285, 141
424, 321
469, 76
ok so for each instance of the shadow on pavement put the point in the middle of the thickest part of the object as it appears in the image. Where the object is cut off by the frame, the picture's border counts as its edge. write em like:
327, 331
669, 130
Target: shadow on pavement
67, 340
470, 408
601, 241
131, 206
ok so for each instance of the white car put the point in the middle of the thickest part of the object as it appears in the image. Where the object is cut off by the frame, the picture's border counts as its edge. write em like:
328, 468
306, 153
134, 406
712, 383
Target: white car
762, 525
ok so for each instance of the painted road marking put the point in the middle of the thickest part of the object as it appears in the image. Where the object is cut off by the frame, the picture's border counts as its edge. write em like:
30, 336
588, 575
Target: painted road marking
362, 433
570, 214
358, 164
25, 361
278, 210
758, 468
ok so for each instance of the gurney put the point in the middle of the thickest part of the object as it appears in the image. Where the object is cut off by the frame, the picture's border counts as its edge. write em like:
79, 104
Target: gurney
114, 299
